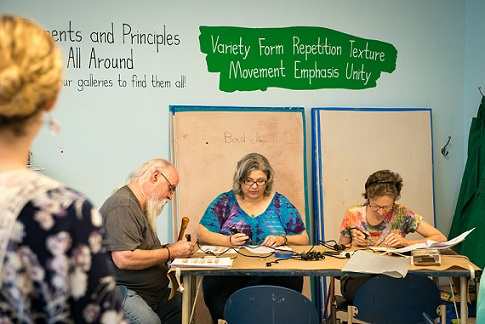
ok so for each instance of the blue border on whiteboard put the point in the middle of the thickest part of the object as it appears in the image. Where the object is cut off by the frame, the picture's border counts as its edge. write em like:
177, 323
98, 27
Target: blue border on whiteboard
176, 108
320, 284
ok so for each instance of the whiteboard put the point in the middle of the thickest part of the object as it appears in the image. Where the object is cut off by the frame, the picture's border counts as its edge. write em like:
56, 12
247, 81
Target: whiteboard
207, 142
349, 144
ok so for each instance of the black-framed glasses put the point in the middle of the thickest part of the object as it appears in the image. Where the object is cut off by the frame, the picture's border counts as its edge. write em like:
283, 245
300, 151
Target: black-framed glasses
376, 207
250, 182
171, 188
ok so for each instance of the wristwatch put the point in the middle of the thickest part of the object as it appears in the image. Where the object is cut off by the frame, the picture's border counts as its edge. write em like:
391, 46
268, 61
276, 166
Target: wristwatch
284, 238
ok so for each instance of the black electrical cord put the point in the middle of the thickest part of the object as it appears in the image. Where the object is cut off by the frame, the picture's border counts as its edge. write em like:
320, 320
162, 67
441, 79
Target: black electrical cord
335, 246
210, 252
237, 251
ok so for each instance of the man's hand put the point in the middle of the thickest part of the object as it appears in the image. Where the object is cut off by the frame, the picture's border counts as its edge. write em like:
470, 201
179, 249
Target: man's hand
181, 249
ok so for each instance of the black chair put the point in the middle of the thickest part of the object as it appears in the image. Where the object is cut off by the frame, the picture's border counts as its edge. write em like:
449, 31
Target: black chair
387, 300
269, 304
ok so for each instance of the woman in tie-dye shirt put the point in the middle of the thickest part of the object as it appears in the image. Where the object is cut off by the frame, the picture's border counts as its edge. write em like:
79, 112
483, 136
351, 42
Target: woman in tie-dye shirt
380, 221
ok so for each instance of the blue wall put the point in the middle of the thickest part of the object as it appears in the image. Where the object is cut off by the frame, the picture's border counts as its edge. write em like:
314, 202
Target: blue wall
108, 131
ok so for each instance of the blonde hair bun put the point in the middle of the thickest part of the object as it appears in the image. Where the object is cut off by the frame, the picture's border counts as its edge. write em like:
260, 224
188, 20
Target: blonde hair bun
30, 67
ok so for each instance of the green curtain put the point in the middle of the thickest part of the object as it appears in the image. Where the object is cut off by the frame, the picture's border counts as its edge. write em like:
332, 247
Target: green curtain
470, 207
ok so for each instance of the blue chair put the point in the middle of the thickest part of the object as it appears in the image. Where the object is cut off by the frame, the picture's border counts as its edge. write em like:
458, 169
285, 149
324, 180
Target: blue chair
410, 300
266, 304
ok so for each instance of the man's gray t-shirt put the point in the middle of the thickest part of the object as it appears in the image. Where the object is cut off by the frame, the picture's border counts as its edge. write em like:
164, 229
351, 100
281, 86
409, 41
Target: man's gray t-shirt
127, 229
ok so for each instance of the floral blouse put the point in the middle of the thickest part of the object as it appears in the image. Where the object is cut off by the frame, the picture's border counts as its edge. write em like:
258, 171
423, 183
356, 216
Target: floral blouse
400, 219
281, 217
55, 269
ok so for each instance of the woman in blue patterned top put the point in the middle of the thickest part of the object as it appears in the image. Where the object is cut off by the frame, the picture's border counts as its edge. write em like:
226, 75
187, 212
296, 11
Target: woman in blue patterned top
251, 213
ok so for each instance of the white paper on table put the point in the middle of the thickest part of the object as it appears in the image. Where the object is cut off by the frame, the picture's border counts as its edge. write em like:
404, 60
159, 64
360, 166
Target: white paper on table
368, 262
217, 249
435, 245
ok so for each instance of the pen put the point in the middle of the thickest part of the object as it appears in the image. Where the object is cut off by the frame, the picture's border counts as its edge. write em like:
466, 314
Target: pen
366, 235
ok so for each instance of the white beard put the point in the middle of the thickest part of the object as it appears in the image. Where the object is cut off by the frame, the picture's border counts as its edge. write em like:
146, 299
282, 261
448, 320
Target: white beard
153, 210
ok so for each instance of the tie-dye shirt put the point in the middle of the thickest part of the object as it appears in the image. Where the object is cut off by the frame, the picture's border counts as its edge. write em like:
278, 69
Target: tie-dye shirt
281, 217
400, 220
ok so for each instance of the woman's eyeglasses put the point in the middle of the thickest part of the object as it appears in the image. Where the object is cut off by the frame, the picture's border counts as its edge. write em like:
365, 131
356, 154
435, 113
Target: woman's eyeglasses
250, 182
376, 207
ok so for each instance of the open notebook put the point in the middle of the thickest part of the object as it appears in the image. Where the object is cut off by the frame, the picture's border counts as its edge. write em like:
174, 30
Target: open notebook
207, 262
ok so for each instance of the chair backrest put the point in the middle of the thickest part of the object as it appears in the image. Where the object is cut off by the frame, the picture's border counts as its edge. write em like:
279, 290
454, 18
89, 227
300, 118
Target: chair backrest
383, 299
269, 304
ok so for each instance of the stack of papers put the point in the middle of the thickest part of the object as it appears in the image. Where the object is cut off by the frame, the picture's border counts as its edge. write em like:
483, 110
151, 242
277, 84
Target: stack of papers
434, 245
210, 262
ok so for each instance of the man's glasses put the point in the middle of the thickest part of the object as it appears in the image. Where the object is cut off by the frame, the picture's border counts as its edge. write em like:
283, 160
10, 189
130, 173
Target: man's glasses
376, 207
249, 182
170, 187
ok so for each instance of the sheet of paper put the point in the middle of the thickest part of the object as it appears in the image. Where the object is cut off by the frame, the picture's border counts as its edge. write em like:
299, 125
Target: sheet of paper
412, 247
207, 249
368, 262
452, 242
435, 245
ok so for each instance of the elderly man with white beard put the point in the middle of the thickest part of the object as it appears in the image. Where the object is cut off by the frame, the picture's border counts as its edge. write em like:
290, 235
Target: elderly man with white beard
139, 259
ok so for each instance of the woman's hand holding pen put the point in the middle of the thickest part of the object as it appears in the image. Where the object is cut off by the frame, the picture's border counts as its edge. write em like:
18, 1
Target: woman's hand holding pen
359, 238
238, 239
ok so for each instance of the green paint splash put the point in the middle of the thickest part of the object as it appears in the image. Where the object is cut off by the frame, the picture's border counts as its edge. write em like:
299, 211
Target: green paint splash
297, 58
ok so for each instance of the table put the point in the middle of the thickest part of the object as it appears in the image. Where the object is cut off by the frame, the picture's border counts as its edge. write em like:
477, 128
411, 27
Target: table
254, 265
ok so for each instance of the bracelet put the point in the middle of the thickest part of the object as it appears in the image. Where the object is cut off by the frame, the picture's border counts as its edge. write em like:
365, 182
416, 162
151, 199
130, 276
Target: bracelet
230, 241
168, 250
284, 238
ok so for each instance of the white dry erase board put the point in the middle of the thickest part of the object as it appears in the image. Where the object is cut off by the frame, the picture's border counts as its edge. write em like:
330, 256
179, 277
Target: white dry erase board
349, 144
207, 142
